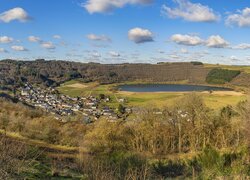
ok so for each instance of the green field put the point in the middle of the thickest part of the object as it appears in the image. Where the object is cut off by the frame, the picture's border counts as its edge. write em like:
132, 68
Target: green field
215, 100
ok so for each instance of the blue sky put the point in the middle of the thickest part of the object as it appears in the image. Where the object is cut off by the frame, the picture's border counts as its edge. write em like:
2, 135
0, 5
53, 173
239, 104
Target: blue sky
118, 31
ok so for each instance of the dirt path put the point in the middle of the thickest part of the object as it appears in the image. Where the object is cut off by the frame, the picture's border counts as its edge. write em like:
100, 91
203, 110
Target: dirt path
223, 93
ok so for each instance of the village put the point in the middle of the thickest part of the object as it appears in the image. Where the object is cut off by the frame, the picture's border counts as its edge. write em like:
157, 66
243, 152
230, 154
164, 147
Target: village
61, 106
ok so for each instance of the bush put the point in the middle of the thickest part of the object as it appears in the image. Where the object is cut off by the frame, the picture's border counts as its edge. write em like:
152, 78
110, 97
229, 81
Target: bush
116, 165
196, 63
169, 169
211, 162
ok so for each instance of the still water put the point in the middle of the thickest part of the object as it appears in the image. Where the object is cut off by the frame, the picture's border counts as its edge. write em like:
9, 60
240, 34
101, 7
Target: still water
169, 88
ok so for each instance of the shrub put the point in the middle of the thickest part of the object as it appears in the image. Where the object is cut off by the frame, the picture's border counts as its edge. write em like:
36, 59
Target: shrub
196, 63
116, 165
169, 169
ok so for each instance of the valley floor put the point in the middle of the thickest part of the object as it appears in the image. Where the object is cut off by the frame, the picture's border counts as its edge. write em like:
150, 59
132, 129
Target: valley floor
214, 100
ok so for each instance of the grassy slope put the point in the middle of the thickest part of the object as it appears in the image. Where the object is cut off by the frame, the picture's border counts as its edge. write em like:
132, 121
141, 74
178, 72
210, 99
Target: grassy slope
41, 166
168, 99
40, 143
214, 101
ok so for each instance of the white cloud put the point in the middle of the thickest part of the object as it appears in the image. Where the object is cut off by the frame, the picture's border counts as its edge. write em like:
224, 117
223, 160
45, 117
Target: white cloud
194, 12
241, 19
139, 35
95, 55
114, 54
57, 37
216, 41
184, 50
174, 56
2, 50
234, 58
242, 46
34, 39
107, 6
6, 39
18, 48
187, 40
17, 13
48, 45
95, 37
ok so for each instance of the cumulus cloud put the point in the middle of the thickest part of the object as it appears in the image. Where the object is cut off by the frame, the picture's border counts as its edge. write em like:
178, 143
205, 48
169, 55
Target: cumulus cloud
34, 39
234, 58
6, 39
216, 41
241, 19
242, 46
107, 6
57, 37
188, 11
19, 48
2, 50
17, 13
114, 54
186, 40
95, 54
139, 35
48, 45
95, 37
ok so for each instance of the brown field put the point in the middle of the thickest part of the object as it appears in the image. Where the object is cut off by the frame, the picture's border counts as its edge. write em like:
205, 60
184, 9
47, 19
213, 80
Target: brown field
77, 85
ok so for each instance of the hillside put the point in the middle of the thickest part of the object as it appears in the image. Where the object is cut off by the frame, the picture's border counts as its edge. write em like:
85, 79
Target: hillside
53, 72
209, 145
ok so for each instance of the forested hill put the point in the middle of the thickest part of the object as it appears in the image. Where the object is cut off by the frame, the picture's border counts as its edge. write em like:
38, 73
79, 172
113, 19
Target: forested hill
49, 72
54, 72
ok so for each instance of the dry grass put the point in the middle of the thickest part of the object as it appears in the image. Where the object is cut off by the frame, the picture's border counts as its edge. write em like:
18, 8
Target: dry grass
39, 143
77, 85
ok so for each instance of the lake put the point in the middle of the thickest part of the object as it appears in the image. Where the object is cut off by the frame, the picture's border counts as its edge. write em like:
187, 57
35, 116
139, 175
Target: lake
169, 88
